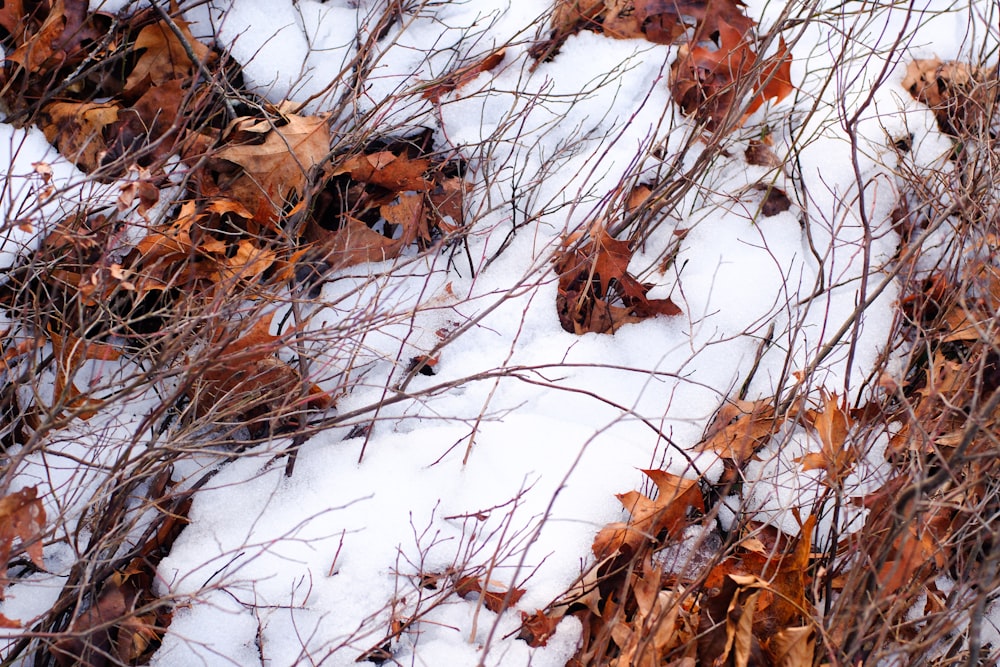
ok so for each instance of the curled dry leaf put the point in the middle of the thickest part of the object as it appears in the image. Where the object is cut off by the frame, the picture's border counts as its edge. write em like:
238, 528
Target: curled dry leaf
727, 618
275, 157
962, 97
793, 647
388, 170
538, 627
774, 200
704, 80
58, 40
247, 383
462, 76
832, 424
594, 280
740, 429
495, 598
164, 57
668, 512
22, 519
668, 21
78, 130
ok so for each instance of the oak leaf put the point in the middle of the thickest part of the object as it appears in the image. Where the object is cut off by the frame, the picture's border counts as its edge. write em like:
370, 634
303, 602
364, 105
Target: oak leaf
666, 21
793, 646
739, 430
538, 627
668, 512
22, 518
494, 597
462, 76
727, 619
275, 157
164, 57
594, 280
398, 173
247, 383
832, 424
78, 130
961, 96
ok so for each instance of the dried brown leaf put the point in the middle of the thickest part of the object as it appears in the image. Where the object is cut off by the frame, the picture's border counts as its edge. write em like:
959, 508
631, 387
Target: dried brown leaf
668, 512
22, 518
793, 647
78, 130
164, 57
463, 75
275, 157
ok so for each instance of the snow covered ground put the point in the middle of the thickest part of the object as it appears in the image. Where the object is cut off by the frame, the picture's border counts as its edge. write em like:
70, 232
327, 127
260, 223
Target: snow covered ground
511, 474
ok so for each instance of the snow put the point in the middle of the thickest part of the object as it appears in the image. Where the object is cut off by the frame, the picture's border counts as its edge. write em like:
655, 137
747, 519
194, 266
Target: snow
541, 425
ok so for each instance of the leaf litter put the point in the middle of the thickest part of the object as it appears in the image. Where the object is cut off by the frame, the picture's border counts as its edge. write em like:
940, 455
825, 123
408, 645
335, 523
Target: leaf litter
275, 174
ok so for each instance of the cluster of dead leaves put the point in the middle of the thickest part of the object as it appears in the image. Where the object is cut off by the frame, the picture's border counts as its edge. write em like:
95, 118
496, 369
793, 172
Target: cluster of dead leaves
142, 112
266, 202
22, 527
717, 63
750, 608
596, 292
964, 98
124, 622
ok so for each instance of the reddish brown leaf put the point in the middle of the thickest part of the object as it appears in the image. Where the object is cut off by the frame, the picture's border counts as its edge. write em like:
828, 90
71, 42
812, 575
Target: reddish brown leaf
666, 21
538, 627
594, 275
354, 243
462, 76
275, 157
727, 618
668, 512
164, 57
832, 425
793, 647
740, 430
78, 130
22, 518
774, 201
759, 153
775, 80
394, 172
494, 600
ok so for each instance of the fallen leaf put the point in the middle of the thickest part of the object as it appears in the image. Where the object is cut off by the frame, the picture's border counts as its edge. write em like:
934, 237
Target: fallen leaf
462, 76
164, 57
667, 21
275, 159
496, 599
354, 243
740, 430
727, 624
22, 518
774, 200
961, 96
832, 425
78, 129
538, 627
388, 170
668, 512
592, 277
793, 647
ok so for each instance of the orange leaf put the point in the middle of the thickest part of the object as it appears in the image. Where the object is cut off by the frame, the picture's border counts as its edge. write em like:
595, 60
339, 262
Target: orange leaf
164, 57
462, 76
22, 517
676, 495
775, 80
